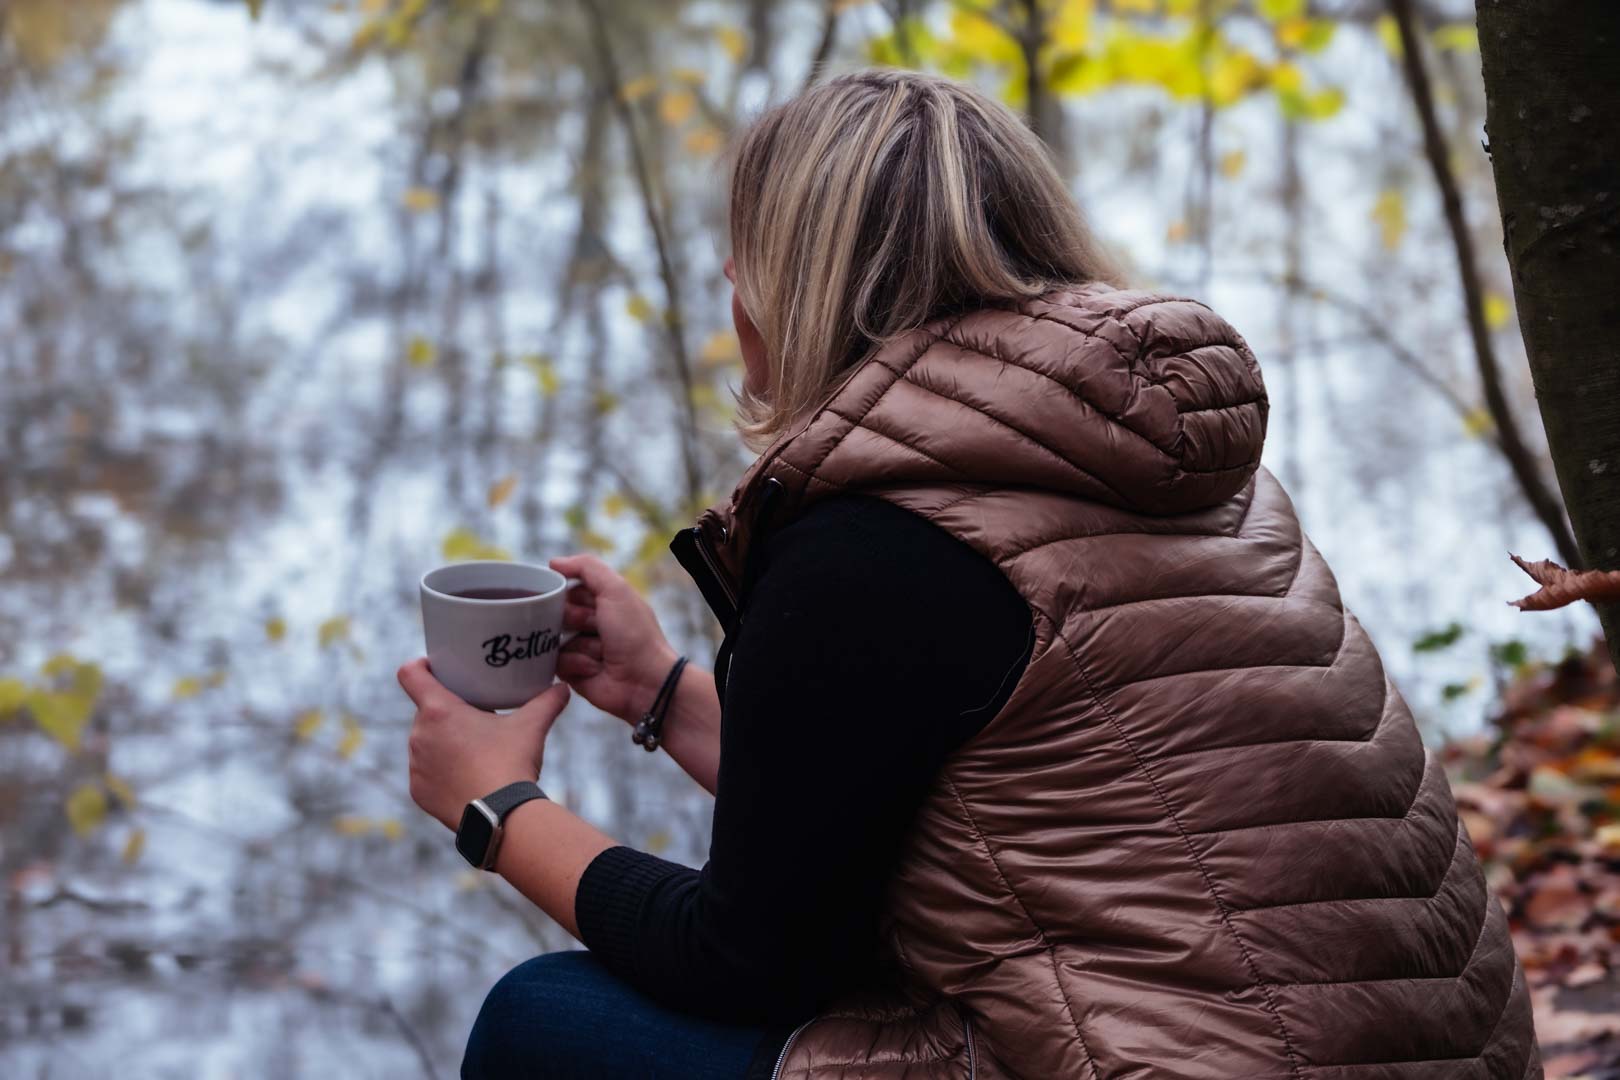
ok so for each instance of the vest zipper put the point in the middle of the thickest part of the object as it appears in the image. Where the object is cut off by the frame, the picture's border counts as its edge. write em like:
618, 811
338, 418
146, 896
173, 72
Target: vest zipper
714, 566
781, 1059
967, 1035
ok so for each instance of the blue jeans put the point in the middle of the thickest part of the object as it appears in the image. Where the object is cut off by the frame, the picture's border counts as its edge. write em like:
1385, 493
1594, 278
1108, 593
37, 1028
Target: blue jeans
563, 1016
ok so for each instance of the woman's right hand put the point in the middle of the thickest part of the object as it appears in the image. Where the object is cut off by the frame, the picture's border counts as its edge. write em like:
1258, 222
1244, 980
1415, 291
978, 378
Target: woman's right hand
619, 658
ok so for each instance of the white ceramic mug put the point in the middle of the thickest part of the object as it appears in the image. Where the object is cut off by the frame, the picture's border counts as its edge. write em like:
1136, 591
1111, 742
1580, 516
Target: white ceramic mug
494, 653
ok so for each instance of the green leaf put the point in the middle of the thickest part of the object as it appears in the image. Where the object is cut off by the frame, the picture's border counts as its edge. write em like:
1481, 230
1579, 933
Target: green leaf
1436, 640
1513, 654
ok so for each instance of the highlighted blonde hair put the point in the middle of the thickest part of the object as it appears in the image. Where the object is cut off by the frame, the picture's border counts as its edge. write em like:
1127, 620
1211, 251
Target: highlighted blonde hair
876, 202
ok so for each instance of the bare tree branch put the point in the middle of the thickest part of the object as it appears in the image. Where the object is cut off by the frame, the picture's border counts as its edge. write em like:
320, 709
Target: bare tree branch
1523, 463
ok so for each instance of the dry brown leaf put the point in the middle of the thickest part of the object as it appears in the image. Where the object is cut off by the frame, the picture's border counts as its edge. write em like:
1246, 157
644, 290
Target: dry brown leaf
1561, 586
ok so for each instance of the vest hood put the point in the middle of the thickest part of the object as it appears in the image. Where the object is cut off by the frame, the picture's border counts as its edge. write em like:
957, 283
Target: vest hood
1150, 403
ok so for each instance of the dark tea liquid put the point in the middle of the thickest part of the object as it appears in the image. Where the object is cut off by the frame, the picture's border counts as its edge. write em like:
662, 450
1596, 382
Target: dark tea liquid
495, 594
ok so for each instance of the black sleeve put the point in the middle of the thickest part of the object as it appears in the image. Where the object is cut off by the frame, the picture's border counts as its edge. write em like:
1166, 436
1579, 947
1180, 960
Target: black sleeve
874, 643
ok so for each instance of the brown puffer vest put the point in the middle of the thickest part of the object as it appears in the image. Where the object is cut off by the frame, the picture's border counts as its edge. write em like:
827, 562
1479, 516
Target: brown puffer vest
1202, 838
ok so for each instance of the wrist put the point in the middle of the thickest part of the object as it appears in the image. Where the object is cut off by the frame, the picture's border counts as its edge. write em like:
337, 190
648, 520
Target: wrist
649, 681
519, 821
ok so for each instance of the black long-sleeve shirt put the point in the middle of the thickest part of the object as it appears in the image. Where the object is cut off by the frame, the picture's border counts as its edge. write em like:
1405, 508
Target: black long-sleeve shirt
874, 645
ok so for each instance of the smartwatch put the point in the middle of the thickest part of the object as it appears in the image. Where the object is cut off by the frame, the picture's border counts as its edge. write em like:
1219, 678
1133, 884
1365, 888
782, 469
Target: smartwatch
479, 836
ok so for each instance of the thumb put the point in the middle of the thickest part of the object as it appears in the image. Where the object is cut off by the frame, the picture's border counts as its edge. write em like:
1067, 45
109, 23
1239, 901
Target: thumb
540, 711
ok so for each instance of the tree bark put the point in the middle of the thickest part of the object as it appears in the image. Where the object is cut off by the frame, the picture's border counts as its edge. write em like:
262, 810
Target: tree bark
1552, 118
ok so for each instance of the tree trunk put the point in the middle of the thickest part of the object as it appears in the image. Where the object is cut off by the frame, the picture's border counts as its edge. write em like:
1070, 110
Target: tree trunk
1552, 93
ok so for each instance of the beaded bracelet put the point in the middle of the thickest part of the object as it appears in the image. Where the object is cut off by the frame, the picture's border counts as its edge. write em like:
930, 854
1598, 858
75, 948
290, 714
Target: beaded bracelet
651, 726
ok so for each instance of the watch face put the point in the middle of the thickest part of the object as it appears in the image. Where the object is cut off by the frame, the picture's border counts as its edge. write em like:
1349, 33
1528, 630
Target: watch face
474, 835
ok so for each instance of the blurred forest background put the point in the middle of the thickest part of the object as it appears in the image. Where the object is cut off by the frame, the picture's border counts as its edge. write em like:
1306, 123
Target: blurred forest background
302, 297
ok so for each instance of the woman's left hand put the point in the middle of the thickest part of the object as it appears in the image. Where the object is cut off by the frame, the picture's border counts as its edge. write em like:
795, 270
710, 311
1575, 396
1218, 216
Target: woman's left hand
460, 753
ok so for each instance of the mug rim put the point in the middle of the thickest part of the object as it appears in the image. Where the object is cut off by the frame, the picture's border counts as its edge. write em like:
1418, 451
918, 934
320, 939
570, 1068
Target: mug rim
562, 583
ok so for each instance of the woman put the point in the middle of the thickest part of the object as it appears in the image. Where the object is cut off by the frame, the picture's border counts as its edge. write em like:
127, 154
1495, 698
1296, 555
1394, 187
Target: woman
1041, 742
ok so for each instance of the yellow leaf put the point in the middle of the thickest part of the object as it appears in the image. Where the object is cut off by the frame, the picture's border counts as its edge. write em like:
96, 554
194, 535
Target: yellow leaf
1136, 7
59, 664
638, 307
60, 714
372, 7
614, 504
1070, 25
275, 629
545, 371
1307, 35
1477, 423
420, 351
733, 41
1286, 77
638, 88
13, 692
215, 679
676, 106
1389, 32
1234, 75
689, 76
1390, 214
351, 825
1497, 311
653, 547
502, 489
121, 790
605, 402
592, 540
352, 738
134, 845
720, 347
420, 199
1232, 162
1177, 232
981, 39
1280, 9
468, 880
190, 686
86, 808
254, 8
307, 723
703, 140
705, 396
392, 828
463, 544
637, 578
656, 842
1461, 37
333, 630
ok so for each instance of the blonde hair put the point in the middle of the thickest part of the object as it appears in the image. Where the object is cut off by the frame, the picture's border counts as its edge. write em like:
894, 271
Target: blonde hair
876, 202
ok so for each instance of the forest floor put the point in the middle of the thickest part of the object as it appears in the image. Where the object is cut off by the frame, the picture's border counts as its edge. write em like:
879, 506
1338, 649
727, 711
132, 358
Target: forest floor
1539, 791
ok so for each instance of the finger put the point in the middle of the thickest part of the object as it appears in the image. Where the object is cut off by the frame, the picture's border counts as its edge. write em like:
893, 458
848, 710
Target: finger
581, 595
579, 618
419, 684
597, 575
583, 644
577, 667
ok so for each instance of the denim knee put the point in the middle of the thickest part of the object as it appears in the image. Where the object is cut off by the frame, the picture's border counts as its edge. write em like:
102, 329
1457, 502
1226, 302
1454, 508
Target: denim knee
508, 1035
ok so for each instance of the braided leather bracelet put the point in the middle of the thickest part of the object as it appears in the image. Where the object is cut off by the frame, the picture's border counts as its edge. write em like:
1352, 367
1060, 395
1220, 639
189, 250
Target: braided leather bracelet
650, 727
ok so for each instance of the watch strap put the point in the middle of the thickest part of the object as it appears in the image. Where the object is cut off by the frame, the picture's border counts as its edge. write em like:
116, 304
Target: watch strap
503, 801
